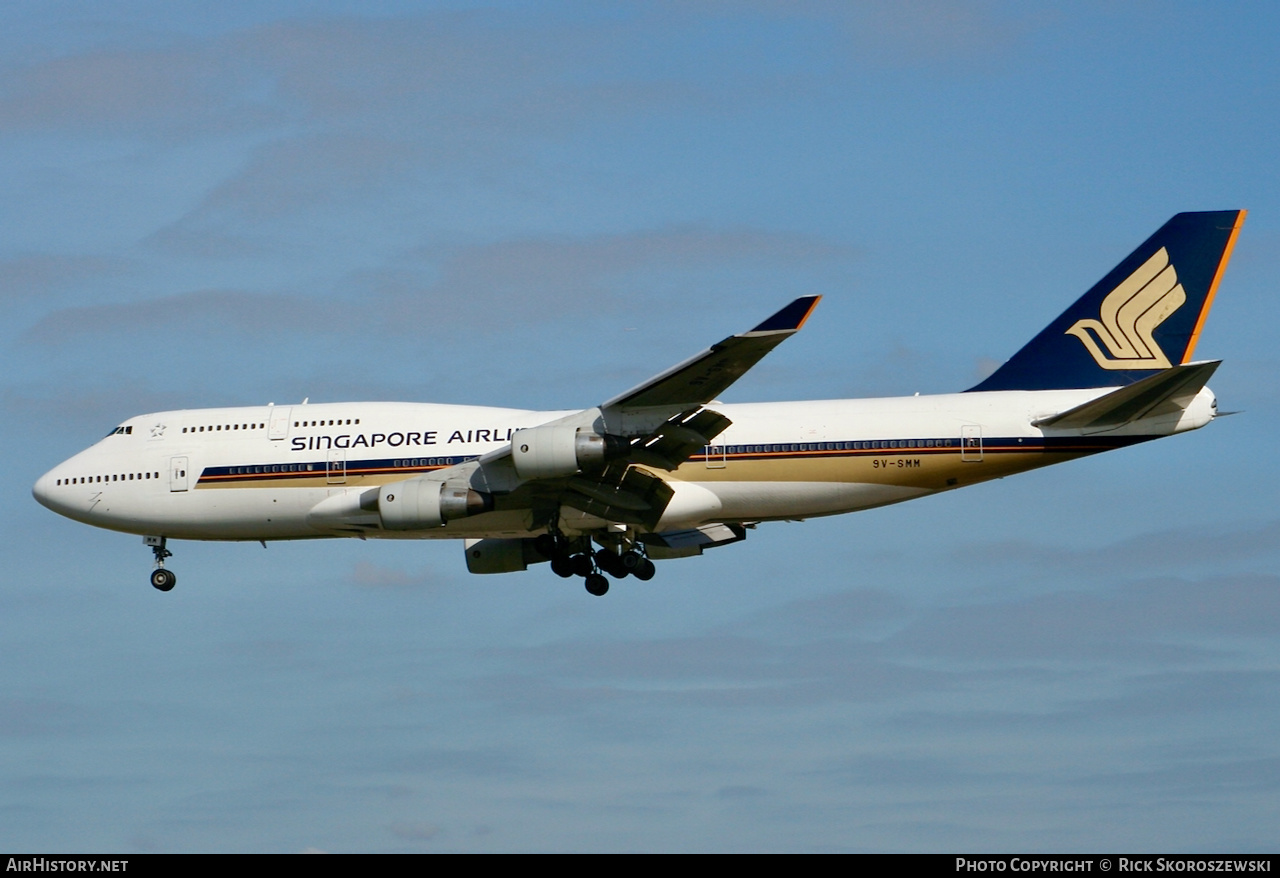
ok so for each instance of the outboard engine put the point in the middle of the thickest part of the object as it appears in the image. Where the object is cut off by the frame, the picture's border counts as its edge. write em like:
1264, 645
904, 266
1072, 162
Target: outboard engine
553, 452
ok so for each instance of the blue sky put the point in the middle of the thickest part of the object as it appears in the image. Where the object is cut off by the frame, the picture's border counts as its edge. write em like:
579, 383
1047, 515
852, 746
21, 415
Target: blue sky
538, 205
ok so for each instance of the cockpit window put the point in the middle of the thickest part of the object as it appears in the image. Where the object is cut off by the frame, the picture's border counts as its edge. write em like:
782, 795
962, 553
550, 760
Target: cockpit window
121, 431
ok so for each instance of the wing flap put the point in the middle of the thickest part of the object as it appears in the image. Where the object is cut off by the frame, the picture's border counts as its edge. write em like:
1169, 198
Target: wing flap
686, 543
628, 496
678, 439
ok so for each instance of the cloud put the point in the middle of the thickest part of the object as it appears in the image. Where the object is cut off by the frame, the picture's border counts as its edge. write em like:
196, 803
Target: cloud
1157, 620
187, 314
467, 75
741, 792
329, 109
415, 831
180, 90
704, 672
31, 717
530, 276
278, 181
366, 574
1197, 696
37, 275
896, 33
1144, 554
497, 283
842, 613
481, 762
260, 77
917, 32
95, 406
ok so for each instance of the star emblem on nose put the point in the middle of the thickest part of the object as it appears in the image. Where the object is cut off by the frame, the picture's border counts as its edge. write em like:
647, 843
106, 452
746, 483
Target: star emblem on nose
157, 431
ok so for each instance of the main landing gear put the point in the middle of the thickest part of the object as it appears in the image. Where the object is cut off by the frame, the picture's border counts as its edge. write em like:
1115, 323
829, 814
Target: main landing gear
161, 578
574, 557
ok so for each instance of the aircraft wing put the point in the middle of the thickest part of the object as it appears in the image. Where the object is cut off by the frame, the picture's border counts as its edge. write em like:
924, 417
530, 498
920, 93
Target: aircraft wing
702, 378
598, 461
656, 425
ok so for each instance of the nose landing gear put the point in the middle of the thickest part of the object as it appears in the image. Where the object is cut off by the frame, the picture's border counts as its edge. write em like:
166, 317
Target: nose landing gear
162, 579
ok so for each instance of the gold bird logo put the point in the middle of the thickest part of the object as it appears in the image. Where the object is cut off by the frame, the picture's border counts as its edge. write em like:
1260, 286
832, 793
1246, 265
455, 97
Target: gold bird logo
1130, 314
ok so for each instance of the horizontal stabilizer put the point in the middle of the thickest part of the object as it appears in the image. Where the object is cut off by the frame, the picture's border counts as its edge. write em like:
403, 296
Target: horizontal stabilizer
1175, 387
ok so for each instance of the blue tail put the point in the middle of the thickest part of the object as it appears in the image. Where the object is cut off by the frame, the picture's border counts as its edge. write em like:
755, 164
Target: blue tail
1144, 316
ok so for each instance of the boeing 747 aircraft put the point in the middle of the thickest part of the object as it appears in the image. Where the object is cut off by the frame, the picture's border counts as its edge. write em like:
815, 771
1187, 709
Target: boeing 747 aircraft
663, 470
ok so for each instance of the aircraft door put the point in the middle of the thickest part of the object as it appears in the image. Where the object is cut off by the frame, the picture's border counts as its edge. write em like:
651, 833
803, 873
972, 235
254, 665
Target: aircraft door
336, 474
278, 424
715, 456
971, 443
177, 474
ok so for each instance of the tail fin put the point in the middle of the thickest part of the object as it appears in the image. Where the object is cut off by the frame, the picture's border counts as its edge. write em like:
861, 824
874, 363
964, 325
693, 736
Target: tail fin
1143, 317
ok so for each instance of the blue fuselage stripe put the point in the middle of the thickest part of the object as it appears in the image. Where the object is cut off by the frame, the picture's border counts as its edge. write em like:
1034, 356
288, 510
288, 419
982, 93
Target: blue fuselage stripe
852, 449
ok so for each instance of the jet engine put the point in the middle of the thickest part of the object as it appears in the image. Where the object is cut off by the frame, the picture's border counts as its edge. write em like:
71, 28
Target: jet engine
418, 504
553, 452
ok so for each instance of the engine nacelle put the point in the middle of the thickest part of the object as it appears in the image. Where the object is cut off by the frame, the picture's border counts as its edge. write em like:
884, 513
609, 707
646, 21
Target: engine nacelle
552, 452
494, 555
420, 504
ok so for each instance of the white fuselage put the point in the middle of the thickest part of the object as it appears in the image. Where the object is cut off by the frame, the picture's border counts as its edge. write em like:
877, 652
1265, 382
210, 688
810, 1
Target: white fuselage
257, 473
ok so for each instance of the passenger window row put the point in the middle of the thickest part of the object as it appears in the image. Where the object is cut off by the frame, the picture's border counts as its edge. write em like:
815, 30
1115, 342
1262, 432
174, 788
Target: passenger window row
114, 477
220, 427
877, 445
332, 422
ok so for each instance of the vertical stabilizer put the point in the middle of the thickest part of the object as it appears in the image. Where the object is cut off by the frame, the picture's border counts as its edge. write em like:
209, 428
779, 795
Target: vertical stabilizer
1145, 316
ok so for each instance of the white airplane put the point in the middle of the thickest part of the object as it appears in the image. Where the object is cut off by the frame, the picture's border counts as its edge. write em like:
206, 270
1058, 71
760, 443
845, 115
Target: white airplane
663, 470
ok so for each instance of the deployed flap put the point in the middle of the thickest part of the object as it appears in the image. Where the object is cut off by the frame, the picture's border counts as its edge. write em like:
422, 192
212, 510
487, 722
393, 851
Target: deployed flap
701, 379
627, 495
686, 543
678, 439
1177, 386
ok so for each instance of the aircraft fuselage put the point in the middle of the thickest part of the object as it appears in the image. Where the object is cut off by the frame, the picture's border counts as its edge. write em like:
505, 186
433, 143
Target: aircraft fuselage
256, 473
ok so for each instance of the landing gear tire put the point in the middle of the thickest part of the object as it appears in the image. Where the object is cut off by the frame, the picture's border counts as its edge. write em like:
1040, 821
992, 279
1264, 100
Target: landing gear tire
583, 565
163, 579
597, 585
562, 566
645, 570
611, 564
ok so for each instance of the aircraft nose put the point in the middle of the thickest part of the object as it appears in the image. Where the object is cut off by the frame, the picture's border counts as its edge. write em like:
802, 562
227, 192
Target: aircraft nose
41, 490
47, 494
